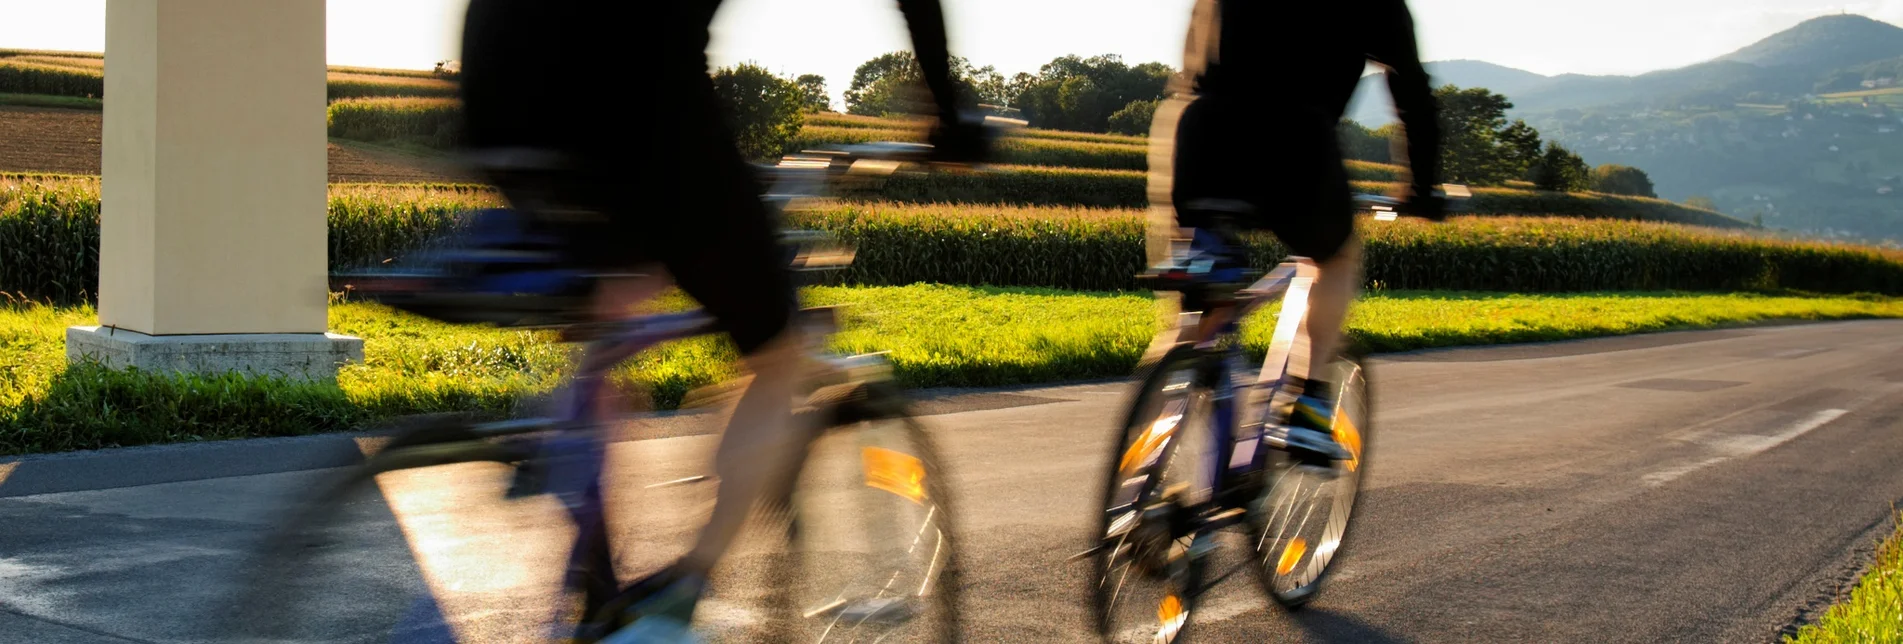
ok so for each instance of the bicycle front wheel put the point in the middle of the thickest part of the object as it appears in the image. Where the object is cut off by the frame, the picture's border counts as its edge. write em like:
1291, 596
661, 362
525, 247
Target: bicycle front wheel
1143, 580
1301, 521
873, 531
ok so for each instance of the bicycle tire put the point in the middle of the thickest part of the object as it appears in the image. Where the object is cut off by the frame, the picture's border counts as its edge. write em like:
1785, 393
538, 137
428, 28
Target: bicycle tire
878, 420
1182, 576
268, 592
1353, 390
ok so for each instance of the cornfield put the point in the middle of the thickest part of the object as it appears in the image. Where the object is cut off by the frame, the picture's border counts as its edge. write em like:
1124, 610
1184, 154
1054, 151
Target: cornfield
49, 228
426, 121
49, 237
346, 85
17, 77
1099, 249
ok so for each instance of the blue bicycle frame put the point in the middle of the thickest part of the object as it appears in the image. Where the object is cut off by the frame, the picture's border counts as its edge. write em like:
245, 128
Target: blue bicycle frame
1243, 430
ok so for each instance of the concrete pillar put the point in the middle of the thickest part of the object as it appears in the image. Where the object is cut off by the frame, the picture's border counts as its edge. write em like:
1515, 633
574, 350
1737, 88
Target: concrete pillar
213, 236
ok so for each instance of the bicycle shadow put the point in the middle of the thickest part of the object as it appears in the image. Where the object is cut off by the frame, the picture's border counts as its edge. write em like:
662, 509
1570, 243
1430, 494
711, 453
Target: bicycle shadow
1322, 625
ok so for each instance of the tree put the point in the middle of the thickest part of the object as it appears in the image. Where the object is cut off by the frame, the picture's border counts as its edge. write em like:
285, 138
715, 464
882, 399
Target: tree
763, 109
448, 69
1477, 147
990, 86
813, 90
1134, 118
893, 83
1616, 179
1361, 143
1560, 170
1396, 138
1074, 93
1519, 148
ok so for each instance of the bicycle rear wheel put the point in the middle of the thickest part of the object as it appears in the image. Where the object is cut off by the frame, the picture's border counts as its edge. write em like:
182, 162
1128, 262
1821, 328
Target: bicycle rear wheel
873, 533
352, 560
1143, 583
1300, 523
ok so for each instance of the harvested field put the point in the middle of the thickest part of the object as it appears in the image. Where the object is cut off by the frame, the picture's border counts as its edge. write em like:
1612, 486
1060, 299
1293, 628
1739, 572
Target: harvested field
67, 142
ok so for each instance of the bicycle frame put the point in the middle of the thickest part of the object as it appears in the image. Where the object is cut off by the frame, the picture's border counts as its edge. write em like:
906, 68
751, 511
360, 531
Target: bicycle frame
1241, 438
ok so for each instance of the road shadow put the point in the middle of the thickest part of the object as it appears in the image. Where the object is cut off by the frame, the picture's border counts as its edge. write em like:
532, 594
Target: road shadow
1322, 625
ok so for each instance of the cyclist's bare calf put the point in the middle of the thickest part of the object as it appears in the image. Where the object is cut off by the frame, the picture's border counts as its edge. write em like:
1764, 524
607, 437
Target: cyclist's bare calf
1337, 282
756, 445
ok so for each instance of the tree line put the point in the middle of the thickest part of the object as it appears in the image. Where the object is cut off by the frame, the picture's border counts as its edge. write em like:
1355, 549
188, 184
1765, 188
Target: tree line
1481, 146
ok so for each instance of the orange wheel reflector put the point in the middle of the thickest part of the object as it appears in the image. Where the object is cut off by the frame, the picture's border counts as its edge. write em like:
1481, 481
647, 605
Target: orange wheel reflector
894, 472
1170, 610
1291, 555
1349, 437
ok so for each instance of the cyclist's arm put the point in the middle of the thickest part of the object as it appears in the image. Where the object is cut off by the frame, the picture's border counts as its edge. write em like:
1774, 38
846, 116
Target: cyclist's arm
1394, 47
926, 20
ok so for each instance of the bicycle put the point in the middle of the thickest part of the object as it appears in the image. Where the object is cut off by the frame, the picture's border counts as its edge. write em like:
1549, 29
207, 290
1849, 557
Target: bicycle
1257, 474
906, 584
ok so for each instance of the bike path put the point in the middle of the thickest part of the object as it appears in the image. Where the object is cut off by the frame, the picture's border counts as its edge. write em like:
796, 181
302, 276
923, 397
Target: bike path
1694, 486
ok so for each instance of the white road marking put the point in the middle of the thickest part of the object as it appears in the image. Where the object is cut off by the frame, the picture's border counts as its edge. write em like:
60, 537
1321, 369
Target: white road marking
1662, 476
1734, 446
1746, 445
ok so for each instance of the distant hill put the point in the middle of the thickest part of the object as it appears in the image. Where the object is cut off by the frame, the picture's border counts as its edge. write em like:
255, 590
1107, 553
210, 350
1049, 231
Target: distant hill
1803, 129
1373, 107
1785, 65
1825, 43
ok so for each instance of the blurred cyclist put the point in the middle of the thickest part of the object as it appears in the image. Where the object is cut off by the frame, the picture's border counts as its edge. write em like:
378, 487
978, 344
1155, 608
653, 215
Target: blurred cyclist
1247, 140
654, 185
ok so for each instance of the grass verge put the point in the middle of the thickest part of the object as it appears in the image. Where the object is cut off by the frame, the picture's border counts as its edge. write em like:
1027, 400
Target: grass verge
1874, 610
936, 336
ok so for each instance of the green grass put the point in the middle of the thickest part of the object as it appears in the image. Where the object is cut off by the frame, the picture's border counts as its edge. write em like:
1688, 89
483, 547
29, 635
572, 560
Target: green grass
937, 336
1882, 91
1874, 610
41, 100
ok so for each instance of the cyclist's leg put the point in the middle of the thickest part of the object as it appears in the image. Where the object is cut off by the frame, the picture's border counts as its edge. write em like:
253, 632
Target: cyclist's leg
726, 257
1321, 227
751, 292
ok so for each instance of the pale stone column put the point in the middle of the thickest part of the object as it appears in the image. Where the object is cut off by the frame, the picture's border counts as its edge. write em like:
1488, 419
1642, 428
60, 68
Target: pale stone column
213, 236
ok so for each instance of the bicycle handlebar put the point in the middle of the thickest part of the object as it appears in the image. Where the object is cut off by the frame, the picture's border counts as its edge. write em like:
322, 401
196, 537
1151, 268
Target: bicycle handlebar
1384, 206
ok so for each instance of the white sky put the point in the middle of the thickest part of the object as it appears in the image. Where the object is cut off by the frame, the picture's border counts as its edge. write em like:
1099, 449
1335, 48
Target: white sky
831, 37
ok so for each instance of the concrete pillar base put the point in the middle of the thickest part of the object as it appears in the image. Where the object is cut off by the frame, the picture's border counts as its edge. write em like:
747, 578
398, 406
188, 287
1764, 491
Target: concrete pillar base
308, 356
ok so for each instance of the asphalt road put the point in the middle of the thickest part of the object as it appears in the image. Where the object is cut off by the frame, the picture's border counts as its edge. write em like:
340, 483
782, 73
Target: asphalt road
1702, 487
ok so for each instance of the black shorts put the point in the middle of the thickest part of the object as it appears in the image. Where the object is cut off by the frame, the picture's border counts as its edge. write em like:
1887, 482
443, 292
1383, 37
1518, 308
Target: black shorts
1286, 170
658, 179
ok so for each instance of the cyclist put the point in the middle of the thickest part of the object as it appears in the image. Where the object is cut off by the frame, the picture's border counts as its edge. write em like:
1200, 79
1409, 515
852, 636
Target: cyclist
661, 188
1247, 140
